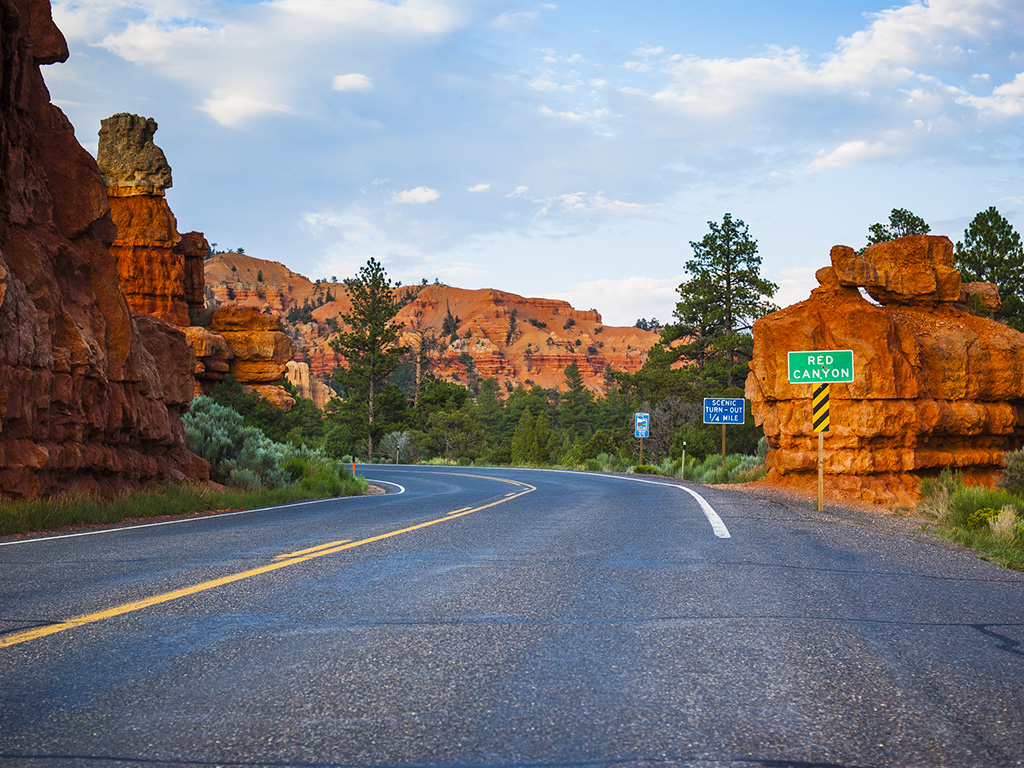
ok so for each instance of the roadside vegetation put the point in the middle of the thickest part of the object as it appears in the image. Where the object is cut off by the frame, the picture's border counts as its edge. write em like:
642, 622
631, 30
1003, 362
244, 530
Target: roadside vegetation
77, 509
250, 469
988, 520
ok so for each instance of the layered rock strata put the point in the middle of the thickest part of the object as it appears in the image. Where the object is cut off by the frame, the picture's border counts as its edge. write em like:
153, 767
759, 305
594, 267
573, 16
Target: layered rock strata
91, 395
158, 266
161, 271
548, 334
935, 385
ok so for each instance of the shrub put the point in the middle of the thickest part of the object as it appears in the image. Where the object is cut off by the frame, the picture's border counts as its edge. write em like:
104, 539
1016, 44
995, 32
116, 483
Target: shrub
1013, 472
1004, 524
967, 501
592, 465
644, 469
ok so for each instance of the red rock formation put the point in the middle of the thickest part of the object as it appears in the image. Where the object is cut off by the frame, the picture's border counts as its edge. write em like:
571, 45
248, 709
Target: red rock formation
549, 336
299, 376
162, 272
935, 386
259, 350
90, 395
159, 268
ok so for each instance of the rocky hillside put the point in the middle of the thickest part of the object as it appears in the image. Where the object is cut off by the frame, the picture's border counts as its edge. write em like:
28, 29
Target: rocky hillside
466, 334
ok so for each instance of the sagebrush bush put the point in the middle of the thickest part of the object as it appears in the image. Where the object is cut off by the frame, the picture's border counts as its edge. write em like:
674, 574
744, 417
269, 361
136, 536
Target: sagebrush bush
245, 458
644, 469
966, 501
1013, 472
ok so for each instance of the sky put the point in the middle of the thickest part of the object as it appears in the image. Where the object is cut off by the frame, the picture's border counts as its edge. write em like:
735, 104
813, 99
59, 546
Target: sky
570, 149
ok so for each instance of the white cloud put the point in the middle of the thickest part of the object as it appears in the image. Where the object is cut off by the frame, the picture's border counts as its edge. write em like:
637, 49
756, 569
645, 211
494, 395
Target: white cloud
480, 188
411, 17
622, 301
417, 196
232, 110
850, 154
352, 82
582, 204
519, 191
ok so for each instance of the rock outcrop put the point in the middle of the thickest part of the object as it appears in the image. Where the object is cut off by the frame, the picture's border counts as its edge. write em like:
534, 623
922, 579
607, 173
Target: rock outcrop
91, 395
158, 266
161, 271
935, 385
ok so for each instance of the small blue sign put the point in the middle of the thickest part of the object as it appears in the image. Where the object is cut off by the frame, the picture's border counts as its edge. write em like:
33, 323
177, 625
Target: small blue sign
724, 410
643, 425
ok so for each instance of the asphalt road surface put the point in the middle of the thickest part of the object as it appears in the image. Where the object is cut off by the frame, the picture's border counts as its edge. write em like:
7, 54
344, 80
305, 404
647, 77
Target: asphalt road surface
500, 617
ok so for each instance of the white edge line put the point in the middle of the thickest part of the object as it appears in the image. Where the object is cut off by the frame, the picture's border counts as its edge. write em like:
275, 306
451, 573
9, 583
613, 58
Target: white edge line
200, 517
717, 524
401, 489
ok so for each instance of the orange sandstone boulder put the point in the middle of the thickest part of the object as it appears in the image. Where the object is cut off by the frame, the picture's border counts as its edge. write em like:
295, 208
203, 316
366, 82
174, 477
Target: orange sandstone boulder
935, 386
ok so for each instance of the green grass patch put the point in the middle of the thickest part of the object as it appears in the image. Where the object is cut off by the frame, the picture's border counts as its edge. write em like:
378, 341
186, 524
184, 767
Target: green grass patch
987, 520
71, 510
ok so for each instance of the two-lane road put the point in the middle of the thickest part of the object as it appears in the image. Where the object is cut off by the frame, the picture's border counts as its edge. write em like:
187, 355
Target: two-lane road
508, 618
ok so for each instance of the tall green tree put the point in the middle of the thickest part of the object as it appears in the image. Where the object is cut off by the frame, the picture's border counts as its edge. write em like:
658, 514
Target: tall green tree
720, 302
901, 223
991, 252
372, 347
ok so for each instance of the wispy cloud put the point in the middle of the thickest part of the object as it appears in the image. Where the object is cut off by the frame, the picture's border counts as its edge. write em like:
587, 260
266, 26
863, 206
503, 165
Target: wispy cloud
352, 82
417, 196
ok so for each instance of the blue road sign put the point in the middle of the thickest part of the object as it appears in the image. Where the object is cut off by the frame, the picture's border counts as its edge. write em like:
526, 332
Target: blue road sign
724, 410
643, 425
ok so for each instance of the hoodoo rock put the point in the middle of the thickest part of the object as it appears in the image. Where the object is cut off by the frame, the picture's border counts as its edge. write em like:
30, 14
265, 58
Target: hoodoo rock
162, 273
934, 385
158, 266
91, 395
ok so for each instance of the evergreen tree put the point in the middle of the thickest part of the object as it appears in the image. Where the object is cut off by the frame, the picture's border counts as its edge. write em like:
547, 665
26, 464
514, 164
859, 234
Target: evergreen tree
991, 252
371, 349
575, 408
901, 224
722, 299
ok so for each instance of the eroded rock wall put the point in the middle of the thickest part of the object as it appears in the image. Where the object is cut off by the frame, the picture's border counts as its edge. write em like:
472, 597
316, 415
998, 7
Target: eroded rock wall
91, 396
935, 386
161, 271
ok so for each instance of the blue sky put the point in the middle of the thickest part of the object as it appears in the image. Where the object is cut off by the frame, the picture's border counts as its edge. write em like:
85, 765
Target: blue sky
559, 149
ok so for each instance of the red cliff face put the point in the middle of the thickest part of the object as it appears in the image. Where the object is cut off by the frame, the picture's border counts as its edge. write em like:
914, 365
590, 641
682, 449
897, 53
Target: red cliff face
548, 334
935, 386
90, 395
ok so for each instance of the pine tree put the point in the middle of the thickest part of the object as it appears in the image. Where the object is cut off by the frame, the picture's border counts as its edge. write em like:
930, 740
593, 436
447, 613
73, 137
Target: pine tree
371, 349
722, 299
991, 252
901, 224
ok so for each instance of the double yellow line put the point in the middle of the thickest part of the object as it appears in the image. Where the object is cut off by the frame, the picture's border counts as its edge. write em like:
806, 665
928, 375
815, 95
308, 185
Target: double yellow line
281, 561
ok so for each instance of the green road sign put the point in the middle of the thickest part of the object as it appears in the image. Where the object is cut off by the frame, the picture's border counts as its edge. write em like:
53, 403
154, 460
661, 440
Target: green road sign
829, 366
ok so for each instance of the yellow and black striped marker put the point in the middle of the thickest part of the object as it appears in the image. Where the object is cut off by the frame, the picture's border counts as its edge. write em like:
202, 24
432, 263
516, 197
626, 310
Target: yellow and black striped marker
819, 409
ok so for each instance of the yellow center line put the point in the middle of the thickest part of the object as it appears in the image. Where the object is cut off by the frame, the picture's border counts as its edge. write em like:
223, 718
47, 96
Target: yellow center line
298, 557
312, 549
456, 511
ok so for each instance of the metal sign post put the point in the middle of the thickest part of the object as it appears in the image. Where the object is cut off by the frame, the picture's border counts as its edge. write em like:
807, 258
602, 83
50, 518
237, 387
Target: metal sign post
724, 410
642, 427
821, 367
